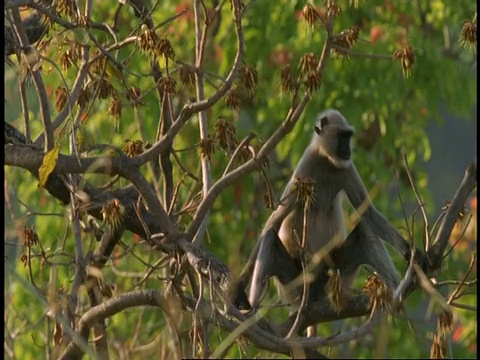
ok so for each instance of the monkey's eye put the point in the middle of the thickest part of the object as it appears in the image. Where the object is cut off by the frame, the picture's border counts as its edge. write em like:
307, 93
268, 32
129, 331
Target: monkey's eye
321, 124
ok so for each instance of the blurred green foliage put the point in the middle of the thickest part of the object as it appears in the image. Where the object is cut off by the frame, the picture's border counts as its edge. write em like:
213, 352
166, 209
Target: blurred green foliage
390, 113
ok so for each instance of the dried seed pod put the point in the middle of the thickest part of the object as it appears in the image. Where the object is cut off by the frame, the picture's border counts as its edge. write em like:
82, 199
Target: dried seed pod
335, 290
468, 36
187, 75
305, 190
438, 349
249, 78
165, 49
407, 58
288, 80
148, 40
112, 213
30, 237
381, 296
225, 133
84, 97
115, 110
61, 97
66, 60
308, 64
133, 147
66, 8
103, 88
232, 98
310, 14
168, 84
332, 8
207, 147
445, 322
312, 81
352, 35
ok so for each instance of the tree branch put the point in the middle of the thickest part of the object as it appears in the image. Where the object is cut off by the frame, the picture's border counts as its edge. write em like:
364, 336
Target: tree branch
436, 251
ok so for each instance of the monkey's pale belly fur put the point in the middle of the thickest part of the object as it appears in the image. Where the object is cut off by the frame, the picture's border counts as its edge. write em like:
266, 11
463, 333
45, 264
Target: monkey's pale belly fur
324, 224
291, 232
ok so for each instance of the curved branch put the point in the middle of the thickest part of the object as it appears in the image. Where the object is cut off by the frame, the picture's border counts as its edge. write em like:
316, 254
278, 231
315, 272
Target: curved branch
30, 158
436, 251
112, 307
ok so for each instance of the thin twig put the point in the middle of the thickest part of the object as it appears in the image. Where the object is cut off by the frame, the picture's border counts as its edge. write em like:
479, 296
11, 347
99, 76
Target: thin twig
421, 204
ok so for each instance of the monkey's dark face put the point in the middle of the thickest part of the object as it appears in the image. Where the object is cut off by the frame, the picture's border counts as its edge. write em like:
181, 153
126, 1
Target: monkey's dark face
332, 138
344, 150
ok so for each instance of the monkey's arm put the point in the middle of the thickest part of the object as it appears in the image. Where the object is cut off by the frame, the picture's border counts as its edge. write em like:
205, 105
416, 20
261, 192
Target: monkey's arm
256, 260
358, 196
272, 260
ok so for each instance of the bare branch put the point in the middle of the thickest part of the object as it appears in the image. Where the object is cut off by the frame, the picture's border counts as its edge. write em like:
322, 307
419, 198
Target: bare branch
29, 59
469, 182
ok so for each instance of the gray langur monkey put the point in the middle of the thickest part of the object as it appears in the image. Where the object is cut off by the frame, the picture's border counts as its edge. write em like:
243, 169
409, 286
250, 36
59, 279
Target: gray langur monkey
327, 161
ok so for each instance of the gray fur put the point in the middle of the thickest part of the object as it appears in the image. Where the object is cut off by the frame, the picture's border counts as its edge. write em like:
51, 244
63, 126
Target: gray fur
334, 176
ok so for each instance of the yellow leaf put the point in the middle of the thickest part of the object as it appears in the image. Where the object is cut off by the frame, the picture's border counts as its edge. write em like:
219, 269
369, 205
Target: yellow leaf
48, 165
112, 71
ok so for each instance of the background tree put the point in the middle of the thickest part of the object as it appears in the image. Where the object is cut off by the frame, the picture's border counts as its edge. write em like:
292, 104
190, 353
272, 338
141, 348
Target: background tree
152, 129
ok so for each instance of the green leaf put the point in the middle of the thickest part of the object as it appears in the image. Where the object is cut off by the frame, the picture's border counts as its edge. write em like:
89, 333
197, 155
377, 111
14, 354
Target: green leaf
48, 165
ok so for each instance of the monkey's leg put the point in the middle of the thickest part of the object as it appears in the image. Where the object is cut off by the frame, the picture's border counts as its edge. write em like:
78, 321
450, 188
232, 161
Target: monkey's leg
363, 247
272, 260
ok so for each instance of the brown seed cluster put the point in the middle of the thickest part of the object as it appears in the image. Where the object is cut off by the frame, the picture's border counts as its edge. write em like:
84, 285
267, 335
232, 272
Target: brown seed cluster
248, 78
468, 36
407, 59
445, 321
312, 81
438, 349
226, 135
308, 70
187, 75
207, 147
103, 88
242, 93
308, 63
335, 290
305, 190
165, 49
112, 213
232, 99
345, 40
30, 237
168, 84
288, 80
61, 97
381, 296
133, 147
332, 8
155, 46
66, 7
311, 15
84, 97
70, 56
115, 108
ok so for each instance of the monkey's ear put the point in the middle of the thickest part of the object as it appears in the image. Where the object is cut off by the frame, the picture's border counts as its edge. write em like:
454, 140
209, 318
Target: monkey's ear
321, 124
